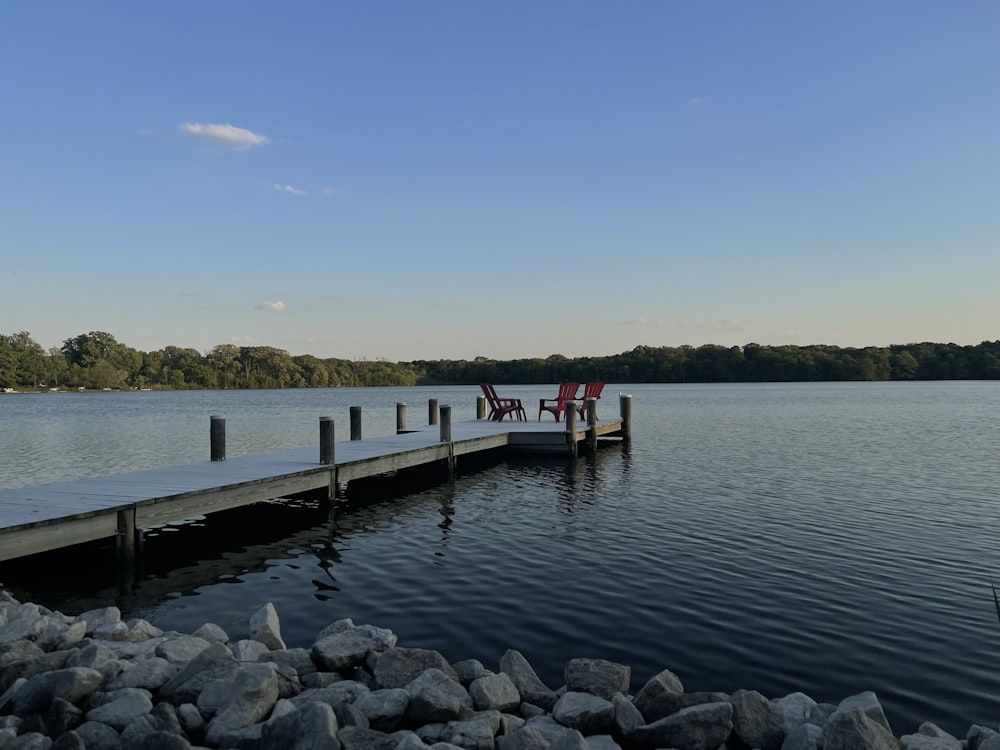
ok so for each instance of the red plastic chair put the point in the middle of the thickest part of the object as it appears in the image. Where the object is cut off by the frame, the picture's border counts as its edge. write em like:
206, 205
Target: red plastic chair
590, 390
567, 392
502, 407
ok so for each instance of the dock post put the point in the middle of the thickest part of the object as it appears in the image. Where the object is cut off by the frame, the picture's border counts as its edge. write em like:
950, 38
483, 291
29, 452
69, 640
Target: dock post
355, 423
327, 451
592, 424
432, 411
217, 438
480, 407
125, 540
625, 401
571, 427
446, 438
400, 418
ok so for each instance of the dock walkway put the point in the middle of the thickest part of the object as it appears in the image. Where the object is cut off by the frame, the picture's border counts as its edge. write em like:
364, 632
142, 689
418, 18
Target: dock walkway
49, 516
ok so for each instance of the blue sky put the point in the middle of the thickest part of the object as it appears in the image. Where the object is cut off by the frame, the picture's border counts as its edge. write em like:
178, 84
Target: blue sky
443, 179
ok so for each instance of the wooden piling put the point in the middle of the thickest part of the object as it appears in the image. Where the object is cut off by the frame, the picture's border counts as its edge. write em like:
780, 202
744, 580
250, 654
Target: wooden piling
571, 427
400, 418
327, 449
125, 539
217, 438
480, 407
592, 424
446, 438
432, 411
355, 423
625, 404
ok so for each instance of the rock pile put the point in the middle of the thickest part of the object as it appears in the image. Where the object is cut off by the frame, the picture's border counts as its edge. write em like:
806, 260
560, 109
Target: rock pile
95, 681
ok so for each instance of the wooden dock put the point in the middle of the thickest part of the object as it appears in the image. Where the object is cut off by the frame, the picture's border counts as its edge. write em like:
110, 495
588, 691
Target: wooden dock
50, 516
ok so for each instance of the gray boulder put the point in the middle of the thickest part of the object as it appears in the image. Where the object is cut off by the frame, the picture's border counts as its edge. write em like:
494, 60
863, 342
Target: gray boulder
212, 663
149, 674
856, 730
265, 627
930, 736
182, 649
95, 618
98, 657
472, 734
529, 686
252, 695
212, 633
312, 726
701, 727
867, 702
343, 651
804, 737
657, 698
525, 738
384, 709
796, 709
494, 691
248, 650
598, 677
126, 705
357, 738
436, 697
37, 693
97, 736
584, 712
469, 670
397, 667
62, 717
627, 716
757, 721
602, 742
66, 741
977, 735
30, 741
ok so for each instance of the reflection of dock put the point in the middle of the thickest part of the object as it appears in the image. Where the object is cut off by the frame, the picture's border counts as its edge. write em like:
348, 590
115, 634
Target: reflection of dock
46, 517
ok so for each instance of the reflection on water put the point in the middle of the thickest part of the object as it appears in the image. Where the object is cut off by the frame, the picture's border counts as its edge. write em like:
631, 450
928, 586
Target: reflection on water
830, 538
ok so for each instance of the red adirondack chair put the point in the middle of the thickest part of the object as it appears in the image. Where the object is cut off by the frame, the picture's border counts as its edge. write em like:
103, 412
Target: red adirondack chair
590, 390
502, 407
567, 392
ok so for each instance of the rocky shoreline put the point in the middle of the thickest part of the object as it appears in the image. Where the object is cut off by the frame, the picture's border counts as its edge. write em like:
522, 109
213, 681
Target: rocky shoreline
97, 682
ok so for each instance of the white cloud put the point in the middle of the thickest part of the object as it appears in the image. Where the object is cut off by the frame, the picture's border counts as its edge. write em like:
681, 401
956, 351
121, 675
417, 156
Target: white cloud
696, 100
330, 191
240, 139
722, 324
276, 306
290, 189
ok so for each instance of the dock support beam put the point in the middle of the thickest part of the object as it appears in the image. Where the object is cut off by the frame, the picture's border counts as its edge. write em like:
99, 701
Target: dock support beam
592, 424
625, 401
355, 423
400, 418
217, 438
125, 540
571, 427
480, 407
432, 411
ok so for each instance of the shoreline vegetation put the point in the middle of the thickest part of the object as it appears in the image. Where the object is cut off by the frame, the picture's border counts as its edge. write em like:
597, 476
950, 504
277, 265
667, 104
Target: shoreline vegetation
97, 361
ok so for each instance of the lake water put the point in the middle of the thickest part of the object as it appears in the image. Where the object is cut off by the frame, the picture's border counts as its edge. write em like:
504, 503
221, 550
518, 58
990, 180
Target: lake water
829, 538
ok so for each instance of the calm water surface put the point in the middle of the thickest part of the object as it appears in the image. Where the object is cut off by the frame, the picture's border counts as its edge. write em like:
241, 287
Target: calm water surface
829, 538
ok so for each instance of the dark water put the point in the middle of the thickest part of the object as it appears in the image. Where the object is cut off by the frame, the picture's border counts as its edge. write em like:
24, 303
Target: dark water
829, 538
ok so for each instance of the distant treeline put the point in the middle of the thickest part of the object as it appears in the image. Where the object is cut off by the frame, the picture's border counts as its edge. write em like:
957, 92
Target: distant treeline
96, 360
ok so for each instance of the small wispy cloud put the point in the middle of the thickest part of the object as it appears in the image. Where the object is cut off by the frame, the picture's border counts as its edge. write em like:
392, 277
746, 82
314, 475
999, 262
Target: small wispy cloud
239, 139
696, 100
276, 306
290, 189
330, 191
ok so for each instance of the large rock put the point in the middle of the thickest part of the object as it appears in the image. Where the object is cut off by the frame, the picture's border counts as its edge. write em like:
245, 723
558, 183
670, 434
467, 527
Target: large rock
530, 687
149, 674
312, 726
702, 727
95, 618
627, 716
214, 662
265, 627
856, 730
434, 697
598, 677
757, 721
37, 693
384, 708
181, 650
584, 712
471, 734
796, 709
657, 698
124, 707
804, 737
866, 702
930, 736
357, 738
342, 651
494, 691
98, 657
398, 667
252, 695
97, 736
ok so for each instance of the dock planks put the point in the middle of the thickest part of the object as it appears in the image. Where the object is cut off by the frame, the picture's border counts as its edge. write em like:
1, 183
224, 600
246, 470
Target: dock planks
45, 517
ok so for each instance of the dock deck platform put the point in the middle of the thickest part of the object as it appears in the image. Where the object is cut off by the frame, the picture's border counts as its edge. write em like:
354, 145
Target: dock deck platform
49, 516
